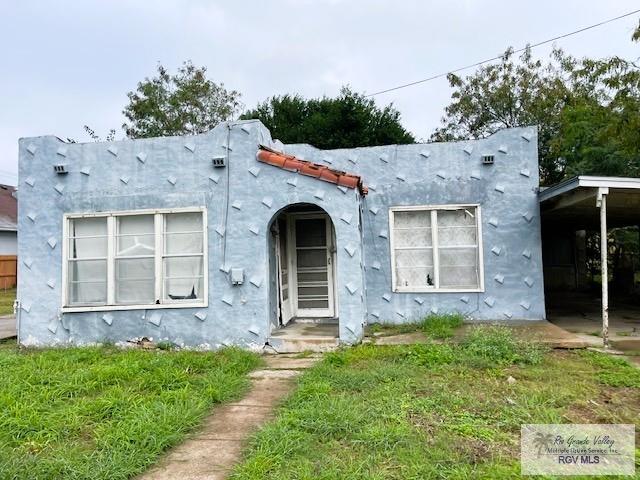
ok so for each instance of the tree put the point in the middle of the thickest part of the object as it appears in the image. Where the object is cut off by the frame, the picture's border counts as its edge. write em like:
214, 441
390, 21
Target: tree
507, 94
184, 103
587, 111
347, 121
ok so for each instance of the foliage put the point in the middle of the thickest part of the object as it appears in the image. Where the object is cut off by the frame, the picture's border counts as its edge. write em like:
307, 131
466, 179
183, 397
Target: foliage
614, 371
180, 104
347, 121
587, 111
493, 345
7, 297
441, 325
424, 412
105, 413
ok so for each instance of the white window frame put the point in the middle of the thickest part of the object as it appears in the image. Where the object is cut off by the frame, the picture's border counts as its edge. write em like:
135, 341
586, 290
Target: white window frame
111, 255
436, 251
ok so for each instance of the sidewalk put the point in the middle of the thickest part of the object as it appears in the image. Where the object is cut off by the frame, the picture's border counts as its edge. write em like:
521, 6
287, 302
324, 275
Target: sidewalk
212, 451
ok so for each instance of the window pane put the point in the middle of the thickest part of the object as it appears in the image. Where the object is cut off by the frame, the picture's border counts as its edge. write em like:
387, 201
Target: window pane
412, 219
135, 281
183, 278
312, 258
83, 227
88, 237
178, 243
183, 222
457, 227
87, 282
414, 268
420, 237
88, 247
136, 235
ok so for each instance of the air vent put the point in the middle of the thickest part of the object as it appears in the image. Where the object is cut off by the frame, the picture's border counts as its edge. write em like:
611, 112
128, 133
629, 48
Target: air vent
218, 162
488, 159
60, 169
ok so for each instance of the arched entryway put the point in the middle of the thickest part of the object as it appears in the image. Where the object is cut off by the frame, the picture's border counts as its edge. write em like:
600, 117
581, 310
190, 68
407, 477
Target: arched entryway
303, 269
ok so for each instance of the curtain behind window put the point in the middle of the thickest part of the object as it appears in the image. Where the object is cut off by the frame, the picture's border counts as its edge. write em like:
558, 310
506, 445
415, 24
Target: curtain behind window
183, 256
87, 267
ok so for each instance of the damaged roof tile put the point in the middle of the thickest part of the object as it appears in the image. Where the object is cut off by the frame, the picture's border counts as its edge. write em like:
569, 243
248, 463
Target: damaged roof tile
315, 170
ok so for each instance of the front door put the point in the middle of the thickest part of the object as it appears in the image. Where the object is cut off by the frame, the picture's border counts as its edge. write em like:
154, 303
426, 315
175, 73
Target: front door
311, 256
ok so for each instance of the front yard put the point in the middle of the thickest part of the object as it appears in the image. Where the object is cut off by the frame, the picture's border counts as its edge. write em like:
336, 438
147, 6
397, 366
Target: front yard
105, 413
438, 410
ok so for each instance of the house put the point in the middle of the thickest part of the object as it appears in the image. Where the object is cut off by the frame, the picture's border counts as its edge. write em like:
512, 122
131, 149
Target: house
8, 236
230, 237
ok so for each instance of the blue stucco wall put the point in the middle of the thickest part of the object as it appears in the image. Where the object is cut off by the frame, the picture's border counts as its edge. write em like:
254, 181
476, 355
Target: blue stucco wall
452, 173
176, 172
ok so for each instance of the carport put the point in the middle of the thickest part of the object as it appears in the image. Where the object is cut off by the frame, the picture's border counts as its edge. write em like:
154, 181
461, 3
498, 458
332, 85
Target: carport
587, 203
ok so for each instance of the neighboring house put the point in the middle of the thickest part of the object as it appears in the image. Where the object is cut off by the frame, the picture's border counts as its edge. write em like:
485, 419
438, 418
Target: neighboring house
8, 220
220, 239
8, 236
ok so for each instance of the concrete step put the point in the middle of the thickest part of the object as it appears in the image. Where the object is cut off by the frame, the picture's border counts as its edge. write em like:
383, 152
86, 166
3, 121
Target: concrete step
290, 344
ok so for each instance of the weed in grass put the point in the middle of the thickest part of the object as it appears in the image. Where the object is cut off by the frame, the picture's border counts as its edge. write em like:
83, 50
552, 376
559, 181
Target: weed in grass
494, 345
614, 371
441, 326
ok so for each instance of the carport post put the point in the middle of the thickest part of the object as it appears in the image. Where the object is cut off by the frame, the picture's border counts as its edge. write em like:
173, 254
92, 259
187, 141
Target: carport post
604, 275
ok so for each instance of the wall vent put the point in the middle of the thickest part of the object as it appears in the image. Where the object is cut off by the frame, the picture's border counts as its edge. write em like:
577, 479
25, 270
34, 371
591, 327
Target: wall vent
60, 169
218, 162
488, 159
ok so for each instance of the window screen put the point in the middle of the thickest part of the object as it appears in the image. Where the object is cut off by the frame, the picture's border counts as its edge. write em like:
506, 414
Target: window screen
436, 248
87, 261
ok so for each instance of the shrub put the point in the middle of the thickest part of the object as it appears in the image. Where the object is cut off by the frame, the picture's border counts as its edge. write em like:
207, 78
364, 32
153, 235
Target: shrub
492, 345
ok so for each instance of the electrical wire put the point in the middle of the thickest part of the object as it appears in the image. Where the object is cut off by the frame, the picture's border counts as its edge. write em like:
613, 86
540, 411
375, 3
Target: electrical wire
498, 57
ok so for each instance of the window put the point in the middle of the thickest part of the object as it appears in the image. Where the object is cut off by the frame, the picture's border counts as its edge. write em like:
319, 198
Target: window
144, 259
436, 248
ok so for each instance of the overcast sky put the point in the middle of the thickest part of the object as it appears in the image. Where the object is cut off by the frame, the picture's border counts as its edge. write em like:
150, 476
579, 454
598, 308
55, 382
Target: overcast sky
71, 64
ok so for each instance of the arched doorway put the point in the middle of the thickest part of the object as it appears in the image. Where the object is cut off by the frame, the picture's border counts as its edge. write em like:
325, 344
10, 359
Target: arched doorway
304, 259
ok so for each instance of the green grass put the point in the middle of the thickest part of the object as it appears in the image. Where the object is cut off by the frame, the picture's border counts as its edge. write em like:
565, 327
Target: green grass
441, 411
104, 413
7, 297
438, 326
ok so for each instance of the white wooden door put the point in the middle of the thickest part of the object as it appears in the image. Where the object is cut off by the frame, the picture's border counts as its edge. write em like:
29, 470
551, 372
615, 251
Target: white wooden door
283, 256
311, 255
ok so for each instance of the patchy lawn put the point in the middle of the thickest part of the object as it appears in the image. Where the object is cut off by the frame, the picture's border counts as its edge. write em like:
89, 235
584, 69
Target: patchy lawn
436, 410
7, 297
105, 413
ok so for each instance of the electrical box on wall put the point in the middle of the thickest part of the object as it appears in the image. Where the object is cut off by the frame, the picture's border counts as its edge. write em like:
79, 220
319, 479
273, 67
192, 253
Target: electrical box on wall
237, 276
218, 162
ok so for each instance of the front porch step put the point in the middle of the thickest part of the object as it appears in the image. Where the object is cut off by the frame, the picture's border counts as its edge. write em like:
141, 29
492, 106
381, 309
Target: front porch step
290, 344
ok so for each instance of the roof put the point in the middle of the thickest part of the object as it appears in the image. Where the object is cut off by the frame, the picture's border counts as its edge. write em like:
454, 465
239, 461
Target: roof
315, 170
572, 203
8, 209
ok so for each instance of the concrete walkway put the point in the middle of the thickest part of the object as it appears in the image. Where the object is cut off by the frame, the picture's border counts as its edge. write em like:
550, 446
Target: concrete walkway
7, 326
211, 452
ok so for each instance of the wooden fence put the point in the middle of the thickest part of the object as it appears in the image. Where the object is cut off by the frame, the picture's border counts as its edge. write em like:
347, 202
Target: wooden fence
8, 271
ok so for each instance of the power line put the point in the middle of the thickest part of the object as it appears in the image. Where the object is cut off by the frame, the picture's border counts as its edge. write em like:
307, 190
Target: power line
477, 64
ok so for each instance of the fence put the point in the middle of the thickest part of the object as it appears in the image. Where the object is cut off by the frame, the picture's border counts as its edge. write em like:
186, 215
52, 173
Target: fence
8, 271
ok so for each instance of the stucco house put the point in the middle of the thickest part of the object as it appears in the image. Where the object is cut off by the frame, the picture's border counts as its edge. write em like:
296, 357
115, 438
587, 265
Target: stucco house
231, 237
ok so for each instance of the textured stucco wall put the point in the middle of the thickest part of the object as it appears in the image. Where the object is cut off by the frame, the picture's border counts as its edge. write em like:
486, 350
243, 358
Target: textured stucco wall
177, 172
452, 173
170, 173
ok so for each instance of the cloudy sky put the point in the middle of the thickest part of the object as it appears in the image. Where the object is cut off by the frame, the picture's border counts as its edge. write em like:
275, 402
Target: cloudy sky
65, 64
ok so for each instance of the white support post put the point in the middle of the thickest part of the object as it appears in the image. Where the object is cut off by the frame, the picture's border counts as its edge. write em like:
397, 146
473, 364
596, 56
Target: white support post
602, 203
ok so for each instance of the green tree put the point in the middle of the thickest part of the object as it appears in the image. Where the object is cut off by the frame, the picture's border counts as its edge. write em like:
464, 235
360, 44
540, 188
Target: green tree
512, 93
349, 120
180, 104
587, 111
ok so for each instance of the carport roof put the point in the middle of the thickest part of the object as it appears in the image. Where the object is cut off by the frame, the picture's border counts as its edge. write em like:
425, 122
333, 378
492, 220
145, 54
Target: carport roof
572, 203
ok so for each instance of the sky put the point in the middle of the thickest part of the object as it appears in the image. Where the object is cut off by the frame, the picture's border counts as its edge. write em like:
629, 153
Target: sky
66, 64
